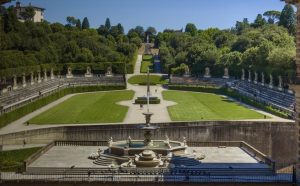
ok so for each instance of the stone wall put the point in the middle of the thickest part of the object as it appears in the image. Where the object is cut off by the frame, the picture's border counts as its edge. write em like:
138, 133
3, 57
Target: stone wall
275, 139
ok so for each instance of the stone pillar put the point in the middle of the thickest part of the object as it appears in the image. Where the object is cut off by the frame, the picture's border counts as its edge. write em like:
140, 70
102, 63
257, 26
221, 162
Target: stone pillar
51, 74
243, 74
45, 75
280, 83
271, 81
39, 77
226, 73
207, 73
255, 77
249, 78
262, 79
23, 80
15, 85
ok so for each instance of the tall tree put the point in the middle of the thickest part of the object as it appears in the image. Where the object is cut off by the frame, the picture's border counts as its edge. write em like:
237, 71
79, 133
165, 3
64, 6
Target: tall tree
288, 18
78, 23
272, 15
191, 28
107, 23
151, 31
29, 13
85, 23
259, 21
71, 20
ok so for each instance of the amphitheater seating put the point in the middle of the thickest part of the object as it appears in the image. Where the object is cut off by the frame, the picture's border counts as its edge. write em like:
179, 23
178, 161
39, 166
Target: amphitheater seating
30, 92
282, 100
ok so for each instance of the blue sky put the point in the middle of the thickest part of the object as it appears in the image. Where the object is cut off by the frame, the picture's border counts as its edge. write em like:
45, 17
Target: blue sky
158, 13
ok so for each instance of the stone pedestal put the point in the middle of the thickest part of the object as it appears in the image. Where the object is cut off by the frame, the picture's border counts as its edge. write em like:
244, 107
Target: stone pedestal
207, 73
226, 73
23, 80
15, 85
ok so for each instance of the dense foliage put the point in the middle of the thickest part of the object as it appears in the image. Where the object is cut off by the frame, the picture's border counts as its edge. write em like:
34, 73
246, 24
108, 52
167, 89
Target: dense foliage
266, 45
30, 44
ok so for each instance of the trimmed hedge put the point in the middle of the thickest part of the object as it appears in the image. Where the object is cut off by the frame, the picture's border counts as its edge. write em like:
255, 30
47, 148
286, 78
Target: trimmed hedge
231, 93
143, 100
26, 109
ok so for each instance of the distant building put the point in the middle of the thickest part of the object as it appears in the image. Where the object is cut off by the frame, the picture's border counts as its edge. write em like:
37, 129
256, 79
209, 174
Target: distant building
39, 12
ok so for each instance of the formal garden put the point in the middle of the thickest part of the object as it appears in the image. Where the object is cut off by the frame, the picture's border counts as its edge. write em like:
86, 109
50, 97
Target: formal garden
142, 80
147, 63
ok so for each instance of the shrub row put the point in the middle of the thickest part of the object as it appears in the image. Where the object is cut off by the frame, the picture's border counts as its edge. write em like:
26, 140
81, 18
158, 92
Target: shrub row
234, 94
26, 109
143, 100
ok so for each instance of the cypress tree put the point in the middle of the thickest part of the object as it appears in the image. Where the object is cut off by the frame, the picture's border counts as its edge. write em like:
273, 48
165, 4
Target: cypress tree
85, 23
288, 18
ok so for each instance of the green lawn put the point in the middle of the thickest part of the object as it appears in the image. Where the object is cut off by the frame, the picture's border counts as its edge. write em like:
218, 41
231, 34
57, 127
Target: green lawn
12, 161
142, 80
97, 107
193, 106
147, 63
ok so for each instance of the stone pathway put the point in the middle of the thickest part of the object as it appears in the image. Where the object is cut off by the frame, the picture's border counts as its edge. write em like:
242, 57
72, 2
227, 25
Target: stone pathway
137, 68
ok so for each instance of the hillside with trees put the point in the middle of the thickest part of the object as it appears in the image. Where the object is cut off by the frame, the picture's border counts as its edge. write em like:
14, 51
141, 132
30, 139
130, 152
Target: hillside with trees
266, 45
28, 46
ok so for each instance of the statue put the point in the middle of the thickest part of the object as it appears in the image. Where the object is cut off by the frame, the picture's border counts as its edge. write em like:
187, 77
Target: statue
110, 141
109, 71
271, 81
99, 151
129, 140
249, 78
184, 142
207, 73
262, 79
69, 74
243, 74
280, 83
15, 85
226, 73
23, 80
88, 72
255, 77
31, 78
45, 75
39, 77
186, 72
51, 74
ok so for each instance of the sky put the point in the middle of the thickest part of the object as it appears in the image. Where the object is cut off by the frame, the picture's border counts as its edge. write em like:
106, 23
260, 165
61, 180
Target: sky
161, 14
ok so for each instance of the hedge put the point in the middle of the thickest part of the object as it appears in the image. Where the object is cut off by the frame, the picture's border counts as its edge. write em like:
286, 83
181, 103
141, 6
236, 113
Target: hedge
26, 109
234, 94
143, 100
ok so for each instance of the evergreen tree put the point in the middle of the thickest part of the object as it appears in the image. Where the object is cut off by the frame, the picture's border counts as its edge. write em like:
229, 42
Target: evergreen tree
85, 23
78, 23
288, 18
107, 23
273, 16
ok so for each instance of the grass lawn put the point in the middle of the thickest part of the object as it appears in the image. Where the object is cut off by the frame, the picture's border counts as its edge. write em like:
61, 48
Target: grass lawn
97, 107
147, 63
193, 106
12, 161
142, 80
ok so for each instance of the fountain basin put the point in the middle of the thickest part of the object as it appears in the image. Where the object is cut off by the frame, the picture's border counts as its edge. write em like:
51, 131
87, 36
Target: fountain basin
123, 148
